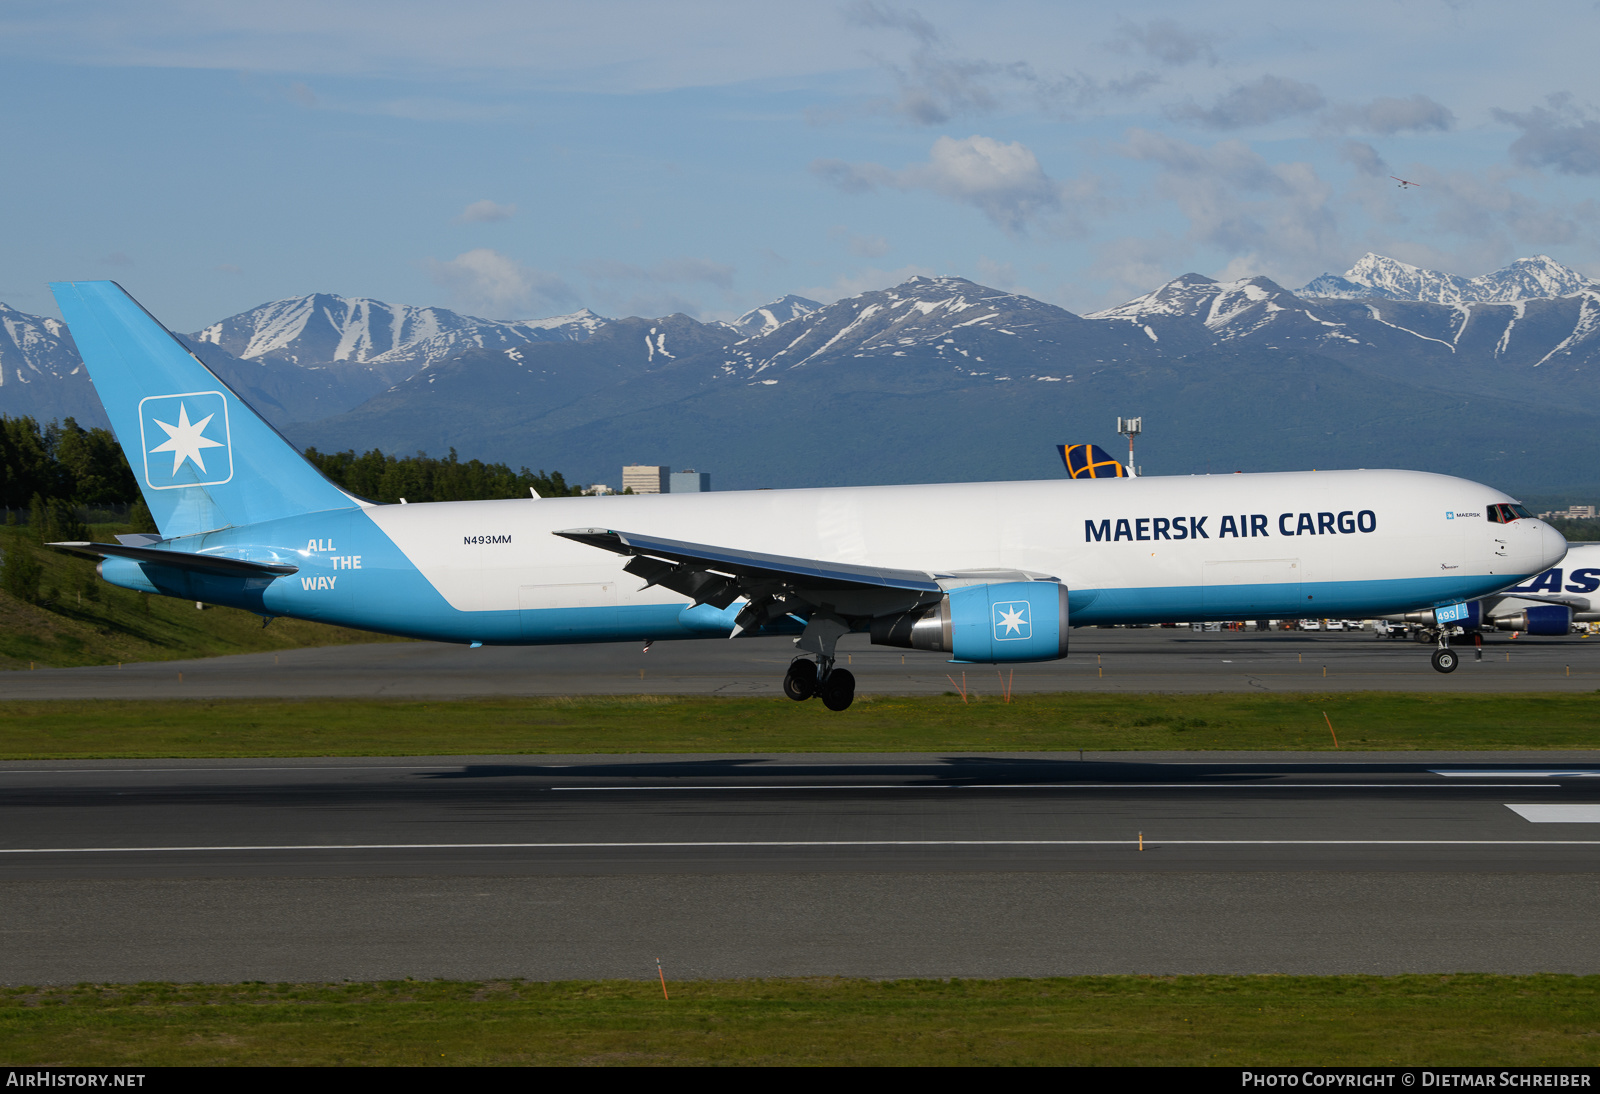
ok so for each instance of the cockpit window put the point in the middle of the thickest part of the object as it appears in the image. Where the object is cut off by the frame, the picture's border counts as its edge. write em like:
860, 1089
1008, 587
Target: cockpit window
1520, 511
1495, 516
1505, 514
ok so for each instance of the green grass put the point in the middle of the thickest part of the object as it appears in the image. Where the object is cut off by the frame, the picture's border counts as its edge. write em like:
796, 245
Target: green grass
1061, 722
1233, 1020
81, 620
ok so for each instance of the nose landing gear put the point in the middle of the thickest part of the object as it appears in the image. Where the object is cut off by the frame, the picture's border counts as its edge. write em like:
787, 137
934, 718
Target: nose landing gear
1446, 659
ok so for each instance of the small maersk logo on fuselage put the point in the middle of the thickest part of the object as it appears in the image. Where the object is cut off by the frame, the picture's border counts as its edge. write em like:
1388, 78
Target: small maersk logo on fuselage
185, 440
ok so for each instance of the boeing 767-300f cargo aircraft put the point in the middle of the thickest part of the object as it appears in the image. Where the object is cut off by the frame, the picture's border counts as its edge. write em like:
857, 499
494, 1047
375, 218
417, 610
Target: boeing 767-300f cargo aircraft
986, 572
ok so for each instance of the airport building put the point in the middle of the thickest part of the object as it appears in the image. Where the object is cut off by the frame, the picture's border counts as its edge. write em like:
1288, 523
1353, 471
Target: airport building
691, 481
643, 478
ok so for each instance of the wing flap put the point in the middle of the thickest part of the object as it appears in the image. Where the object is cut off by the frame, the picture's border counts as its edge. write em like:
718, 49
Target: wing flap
751, 565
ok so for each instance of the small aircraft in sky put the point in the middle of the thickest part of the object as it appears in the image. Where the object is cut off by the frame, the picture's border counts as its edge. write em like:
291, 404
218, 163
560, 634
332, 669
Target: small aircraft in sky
1405, 184
993, 573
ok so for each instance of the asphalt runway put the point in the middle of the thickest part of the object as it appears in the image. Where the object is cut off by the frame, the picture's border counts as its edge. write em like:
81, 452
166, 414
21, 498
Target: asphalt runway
881, 866
1143, 660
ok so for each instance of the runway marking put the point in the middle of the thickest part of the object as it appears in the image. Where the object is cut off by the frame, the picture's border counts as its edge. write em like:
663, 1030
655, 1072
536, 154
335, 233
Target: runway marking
1078, 786
1554, 773
1557, 814
171, 770
1255, 786
768, 786
660, 845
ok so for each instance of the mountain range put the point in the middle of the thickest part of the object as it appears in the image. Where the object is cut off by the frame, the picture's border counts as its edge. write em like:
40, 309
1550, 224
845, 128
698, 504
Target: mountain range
938, 378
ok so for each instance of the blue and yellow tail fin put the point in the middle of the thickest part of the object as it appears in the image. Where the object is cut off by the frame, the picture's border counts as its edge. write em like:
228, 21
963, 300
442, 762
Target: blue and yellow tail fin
203, 457
1089, 461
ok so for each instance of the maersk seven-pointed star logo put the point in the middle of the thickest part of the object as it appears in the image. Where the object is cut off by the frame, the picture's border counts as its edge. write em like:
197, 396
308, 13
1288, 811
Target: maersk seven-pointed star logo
1011, 621
185, 440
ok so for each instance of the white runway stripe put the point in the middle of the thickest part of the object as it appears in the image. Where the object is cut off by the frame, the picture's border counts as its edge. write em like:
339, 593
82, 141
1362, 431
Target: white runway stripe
1526, 773
1149, 841
1557, 814
1078, 786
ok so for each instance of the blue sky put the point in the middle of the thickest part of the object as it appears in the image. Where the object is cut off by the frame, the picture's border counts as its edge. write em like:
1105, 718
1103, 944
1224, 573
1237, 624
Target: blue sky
517, 160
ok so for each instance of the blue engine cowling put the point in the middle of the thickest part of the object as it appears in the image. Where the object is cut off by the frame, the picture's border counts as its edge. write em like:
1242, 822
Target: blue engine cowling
1538, 619
1004, 622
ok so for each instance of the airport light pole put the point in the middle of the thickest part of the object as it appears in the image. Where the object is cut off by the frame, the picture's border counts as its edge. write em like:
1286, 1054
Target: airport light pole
1130, 428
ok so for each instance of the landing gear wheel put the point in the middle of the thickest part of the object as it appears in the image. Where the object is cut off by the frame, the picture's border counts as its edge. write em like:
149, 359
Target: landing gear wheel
800, 682
1445, 659
1421, 636
838, 691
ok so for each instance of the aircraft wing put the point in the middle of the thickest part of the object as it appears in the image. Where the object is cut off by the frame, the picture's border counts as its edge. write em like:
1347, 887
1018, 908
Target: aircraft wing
1576, 603
775, 585
182, 560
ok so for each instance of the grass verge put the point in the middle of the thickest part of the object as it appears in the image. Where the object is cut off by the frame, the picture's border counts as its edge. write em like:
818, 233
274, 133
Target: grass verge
1060, 722
80, 620
1231, 1020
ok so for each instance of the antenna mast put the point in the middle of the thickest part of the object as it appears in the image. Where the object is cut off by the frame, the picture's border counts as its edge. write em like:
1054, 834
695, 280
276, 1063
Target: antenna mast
1130, 428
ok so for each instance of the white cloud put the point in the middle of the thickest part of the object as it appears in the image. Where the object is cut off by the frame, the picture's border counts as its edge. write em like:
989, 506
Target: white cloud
1275, 219
1260, 102
1166, 41
1558, 136
1387, 116
1364, 158
487, 282
1003, 180
876, 14
486, 211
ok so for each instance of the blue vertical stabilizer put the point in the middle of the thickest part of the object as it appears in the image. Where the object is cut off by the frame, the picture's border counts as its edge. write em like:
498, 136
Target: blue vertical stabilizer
204, 459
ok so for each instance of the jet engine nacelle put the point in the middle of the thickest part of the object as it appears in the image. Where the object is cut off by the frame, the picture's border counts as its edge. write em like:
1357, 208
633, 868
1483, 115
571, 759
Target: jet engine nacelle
1426, 618
1539, 619
1006, 621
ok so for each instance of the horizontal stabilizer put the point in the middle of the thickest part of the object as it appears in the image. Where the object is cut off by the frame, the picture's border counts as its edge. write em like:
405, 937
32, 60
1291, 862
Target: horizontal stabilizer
749, 564
182, 560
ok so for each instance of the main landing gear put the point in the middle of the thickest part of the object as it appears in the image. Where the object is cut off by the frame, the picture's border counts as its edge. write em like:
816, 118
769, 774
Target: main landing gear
836, 687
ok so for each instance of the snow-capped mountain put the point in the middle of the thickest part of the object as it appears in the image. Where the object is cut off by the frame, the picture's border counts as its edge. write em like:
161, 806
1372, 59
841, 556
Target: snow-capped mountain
971, 327
937, 376
323, 328
1376, 276
1192, 311
41, 374
769, 317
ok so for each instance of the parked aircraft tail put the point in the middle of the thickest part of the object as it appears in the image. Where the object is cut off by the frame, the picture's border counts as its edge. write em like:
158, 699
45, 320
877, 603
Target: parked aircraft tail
1089, 461
204, 459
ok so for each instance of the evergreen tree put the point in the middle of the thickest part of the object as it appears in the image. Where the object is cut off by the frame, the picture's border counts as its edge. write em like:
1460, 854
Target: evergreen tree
20, 570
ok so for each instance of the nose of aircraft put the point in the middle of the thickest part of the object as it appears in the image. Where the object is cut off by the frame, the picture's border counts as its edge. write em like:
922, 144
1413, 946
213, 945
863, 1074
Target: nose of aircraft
1552, 544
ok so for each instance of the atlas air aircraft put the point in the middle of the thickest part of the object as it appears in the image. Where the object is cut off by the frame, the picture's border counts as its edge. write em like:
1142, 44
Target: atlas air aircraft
1546, 604
992, 572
